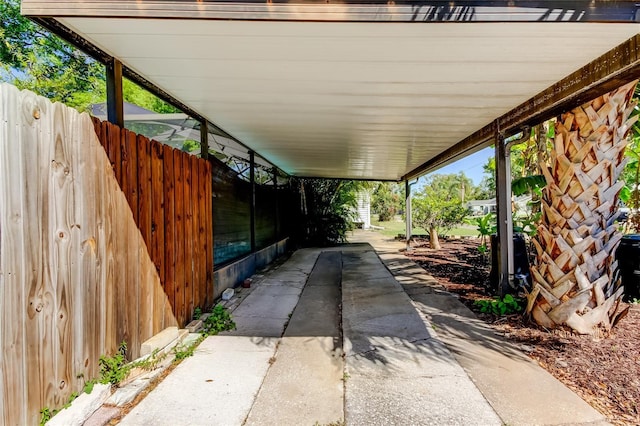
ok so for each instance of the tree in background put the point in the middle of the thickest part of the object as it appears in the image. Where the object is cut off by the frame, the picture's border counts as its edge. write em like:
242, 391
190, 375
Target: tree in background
440, 205
386, 200
630, 193
487, 187
328, 209
32, 58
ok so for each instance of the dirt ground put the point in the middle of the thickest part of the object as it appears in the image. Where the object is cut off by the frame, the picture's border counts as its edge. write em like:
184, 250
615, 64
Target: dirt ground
604, 371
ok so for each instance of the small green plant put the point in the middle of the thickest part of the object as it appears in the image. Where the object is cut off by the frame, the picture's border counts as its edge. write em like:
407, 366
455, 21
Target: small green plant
486, 226
113, 369
527, 224
88, 386
345, 377
185, 351
505, 306
45, 415
635, 301
149, 363
219, 320
197, 313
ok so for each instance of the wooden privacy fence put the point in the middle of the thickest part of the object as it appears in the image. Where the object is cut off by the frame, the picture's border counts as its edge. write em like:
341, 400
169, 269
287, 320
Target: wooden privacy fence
76, 278
169, 192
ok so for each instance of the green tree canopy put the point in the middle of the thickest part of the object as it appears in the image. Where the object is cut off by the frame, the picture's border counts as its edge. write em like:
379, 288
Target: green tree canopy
439, 206
32, 58
387, 200
328, 208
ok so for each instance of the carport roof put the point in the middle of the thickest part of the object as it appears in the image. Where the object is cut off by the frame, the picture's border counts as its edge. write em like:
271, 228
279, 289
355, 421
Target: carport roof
360, 90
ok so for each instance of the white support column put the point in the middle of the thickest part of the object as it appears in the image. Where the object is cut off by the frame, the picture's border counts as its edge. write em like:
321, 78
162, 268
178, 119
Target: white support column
503, 207
407, 211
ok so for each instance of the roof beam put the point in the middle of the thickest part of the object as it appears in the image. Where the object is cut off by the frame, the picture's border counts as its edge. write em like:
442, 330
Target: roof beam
346, 10
613, 69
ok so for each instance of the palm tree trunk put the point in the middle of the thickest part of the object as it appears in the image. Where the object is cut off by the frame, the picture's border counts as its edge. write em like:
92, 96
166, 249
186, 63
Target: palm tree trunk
576, 279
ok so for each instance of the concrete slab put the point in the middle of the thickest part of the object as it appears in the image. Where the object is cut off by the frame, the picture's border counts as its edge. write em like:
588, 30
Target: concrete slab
515, 386
304, 383
288, 280
375, 308
320, 307
257, 327
513, 383
271, 302
398, 372
215, 386
415, 401
303, 386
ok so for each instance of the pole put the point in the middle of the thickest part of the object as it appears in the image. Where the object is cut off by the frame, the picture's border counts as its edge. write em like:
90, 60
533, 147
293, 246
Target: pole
115, 101
252, 202
204, 139
407, 212
503, 207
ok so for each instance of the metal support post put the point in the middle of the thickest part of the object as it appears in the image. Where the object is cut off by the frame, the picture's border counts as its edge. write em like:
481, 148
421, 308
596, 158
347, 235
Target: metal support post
407, 212
204, 140
277, 203
115, 101
252, 204
503, 205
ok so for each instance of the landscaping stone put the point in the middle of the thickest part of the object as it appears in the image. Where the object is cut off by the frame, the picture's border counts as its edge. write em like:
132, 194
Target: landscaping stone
82, 407
228, 294
102, 416
194, 326
159, 341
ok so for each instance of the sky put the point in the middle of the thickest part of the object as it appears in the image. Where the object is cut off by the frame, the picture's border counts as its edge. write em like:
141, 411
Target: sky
470, 165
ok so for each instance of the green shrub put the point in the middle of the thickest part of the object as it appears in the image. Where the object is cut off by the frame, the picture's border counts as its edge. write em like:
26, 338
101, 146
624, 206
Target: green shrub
219, 320
505, 306
113, 369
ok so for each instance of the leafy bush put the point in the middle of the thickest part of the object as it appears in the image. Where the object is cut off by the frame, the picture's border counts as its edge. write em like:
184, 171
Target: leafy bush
113, 369
328, 209
507, 305
486, 226
219, 320
386, 201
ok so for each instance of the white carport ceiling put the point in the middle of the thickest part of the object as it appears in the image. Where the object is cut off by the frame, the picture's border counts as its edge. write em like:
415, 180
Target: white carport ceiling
345, 99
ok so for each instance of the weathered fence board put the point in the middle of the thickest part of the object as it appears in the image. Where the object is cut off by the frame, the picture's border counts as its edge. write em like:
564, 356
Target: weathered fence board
73, 263
169, 192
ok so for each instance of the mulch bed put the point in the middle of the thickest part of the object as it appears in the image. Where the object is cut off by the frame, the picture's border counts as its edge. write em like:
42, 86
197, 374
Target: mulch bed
604, 371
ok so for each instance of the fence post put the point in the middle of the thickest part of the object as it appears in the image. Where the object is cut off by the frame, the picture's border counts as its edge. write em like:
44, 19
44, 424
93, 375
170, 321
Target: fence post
277, 201
252, 204
204, 139
115, 101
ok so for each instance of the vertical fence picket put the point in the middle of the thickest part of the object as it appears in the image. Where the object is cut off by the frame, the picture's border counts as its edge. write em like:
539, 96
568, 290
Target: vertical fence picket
209, 261
195, 248
179, 288
169, 225
157, 228
188, 237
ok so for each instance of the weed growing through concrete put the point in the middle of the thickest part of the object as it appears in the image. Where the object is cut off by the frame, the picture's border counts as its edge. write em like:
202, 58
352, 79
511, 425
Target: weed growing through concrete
219, 320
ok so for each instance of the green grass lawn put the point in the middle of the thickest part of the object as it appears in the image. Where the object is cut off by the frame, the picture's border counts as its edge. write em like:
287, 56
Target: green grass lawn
393, 228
